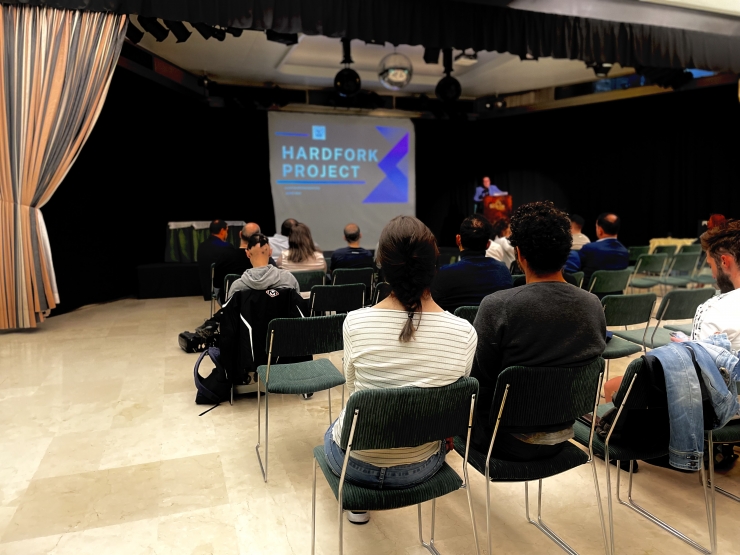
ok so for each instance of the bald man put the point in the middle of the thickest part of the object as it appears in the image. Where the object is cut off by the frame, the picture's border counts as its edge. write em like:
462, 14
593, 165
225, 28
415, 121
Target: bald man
237, 262
605, 254
353, 255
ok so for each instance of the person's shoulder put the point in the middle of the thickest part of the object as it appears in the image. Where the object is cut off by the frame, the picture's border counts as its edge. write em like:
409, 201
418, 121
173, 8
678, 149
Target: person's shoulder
496, 300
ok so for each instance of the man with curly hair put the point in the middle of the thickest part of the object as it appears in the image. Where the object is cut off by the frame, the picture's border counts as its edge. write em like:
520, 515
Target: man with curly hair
545, 323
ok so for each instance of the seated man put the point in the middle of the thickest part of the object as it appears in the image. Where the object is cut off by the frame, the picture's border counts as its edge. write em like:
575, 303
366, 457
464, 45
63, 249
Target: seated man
237, 262
279, 241
605, 254
466, 282
353, 255
576, 228
262, 275
211, 251
546, 322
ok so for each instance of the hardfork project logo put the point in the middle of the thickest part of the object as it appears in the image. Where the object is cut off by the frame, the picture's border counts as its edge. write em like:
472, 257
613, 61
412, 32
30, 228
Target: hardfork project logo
395, 165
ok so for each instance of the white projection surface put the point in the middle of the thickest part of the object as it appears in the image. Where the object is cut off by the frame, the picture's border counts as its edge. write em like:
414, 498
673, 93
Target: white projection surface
327, 171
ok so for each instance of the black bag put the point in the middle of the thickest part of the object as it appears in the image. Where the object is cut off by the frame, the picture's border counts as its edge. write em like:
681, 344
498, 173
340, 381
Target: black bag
205, 335
216, 388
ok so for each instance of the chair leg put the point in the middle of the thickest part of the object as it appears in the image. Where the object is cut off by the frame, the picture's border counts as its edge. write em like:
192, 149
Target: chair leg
341, 526
330, 418
488, 514
539, 524
313, 510
711, 517
598, 502
267, 429
429, 546
655, 520
609, 498
472, 514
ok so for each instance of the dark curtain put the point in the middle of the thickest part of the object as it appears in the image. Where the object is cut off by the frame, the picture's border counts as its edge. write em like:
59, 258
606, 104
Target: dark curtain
441, 23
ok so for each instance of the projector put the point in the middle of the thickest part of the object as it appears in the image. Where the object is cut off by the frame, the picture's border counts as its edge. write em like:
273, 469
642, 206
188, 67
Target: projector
464, 59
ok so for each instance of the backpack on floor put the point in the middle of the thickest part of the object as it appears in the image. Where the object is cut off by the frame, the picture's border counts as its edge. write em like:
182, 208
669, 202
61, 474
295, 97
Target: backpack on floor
216, 388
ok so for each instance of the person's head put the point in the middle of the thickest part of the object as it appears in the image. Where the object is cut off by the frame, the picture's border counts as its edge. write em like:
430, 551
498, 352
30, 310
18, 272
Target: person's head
352, 234
247, 231
715, 220
219, 229
300, 243
722, 245
500, 228
576, 224
408, 252
607, 225
540, 233
475, 233
287, 226
486, 182
258, 250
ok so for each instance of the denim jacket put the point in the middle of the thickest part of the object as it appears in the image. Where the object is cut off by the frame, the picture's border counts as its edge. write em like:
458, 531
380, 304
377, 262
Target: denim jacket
684, 394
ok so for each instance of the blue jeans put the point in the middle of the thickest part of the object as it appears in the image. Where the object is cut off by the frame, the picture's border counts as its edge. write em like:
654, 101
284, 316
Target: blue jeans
375, 477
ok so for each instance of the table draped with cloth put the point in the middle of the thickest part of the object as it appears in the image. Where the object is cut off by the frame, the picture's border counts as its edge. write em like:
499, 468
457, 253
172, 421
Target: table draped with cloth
664, 241
183, 239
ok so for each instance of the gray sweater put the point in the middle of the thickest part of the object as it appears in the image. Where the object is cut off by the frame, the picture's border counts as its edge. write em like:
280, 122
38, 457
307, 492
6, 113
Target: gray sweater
263, 278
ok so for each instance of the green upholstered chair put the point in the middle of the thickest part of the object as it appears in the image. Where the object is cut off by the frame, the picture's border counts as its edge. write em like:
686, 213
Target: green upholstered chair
635, 252
685, 249
298, 337
579, 278
626, 310
730, 433
400, 417
680, 270
229, 280
467, 313
532, 398
608, 281
643, 433
685, 328
669, 250
679, 304
382, 290
307, 279
652, 267
347, 276
336, 298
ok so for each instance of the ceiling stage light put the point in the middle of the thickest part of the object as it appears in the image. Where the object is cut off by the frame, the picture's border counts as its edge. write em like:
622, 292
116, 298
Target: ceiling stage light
448, 89
347, 82
154, 28
395, 71
178, 29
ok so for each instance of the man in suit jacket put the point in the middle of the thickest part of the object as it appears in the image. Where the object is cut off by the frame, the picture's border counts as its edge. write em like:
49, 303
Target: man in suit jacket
605, 254
211, 251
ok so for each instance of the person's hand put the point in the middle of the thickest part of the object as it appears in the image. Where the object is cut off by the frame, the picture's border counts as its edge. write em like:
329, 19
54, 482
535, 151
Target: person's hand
675, 339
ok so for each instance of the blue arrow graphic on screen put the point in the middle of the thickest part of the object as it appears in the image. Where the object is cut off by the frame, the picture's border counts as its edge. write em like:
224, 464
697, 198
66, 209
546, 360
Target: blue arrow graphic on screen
395, 186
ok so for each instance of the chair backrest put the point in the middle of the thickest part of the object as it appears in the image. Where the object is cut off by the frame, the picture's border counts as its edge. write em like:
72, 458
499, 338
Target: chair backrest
229, 279
297, 337
541, 397
635, 252
306, 280
684, 262
628, 310
467, 313
337, 298
408, 416
382, 290
579, 278
681, 304
651, 263
346, 276
685, 249
668, 250
608, 281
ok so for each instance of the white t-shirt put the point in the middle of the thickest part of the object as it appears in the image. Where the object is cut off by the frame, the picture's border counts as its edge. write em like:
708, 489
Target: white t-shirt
720, 314
509, 252
440, 353
495, 251
579, 239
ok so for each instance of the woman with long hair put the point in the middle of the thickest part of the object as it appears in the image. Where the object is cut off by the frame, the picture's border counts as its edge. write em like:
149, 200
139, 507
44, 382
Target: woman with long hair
301, 254
406, 340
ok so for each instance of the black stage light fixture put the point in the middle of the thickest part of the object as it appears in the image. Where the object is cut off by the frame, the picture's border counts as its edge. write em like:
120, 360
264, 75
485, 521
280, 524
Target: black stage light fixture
347, 82
206, 31
601, 70
178, 29
234, 31
431, 55
154, 28
219, 34
133, 33
448, 89
283, 38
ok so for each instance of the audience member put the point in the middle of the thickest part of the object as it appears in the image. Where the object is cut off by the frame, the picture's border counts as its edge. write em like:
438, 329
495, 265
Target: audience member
546, 322
238, 261
211, 251
576, 227
262, 275
466, 282
302, 254
279, 241
605, 254
500, 248
353, 255
406, 340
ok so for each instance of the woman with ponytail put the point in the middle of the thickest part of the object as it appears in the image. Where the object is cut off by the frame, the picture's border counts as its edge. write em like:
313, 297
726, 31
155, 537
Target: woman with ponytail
407, 340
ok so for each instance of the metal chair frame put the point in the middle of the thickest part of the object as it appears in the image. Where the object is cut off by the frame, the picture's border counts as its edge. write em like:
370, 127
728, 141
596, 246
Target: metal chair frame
370, 286
637, 269
429, 546
313, 298
539, 524
710, 441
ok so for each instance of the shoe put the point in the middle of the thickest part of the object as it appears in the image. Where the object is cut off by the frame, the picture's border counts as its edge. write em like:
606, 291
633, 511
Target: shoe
307, 395
358, 517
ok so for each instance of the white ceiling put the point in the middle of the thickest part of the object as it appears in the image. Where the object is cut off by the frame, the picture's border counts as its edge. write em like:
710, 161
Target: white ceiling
728, 7
312, 63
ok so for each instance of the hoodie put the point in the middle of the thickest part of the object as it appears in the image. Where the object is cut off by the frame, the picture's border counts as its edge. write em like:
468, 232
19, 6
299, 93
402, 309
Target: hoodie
263, 278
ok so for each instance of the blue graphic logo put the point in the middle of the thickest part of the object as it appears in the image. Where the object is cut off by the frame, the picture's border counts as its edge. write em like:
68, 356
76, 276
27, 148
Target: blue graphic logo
318, 132
395, 186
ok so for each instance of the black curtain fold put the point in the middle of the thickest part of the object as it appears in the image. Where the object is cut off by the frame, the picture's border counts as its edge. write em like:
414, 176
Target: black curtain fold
440, 23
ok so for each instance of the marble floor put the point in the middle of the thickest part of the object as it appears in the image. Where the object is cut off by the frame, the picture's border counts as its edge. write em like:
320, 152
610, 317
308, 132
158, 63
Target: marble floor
102, 451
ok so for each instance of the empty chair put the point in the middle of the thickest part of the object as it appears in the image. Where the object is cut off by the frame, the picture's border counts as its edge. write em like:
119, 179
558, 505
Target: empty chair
608, 281
679, 304
467, 313
685, 249
579, 278
419, 415
336, 298
668, 250
307, 279
626, 310
346, 276
684, 328
730, 433
680, 270
635, 252
229, 279
382, 290
652, 267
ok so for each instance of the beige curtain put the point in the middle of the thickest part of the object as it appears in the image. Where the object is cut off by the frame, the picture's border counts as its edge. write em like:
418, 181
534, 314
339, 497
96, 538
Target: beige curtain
55, 70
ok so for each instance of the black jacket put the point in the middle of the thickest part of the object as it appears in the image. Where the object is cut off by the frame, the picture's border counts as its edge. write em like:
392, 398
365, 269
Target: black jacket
211, 251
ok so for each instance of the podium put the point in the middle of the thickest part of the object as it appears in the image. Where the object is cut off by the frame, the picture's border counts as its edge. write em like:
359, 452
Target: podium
497, 207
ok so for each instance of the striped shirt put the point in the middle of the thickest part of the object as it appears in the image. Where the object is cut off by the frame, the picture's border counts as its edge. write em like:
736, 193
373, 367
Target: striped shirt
440, 352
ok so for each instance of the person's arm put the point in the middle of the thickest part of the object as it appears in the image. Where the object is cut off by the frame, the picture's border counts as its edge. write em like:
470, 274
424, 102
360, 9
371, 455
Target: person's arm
347, 360
320, 256
280, 260
573, 263
470, 354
